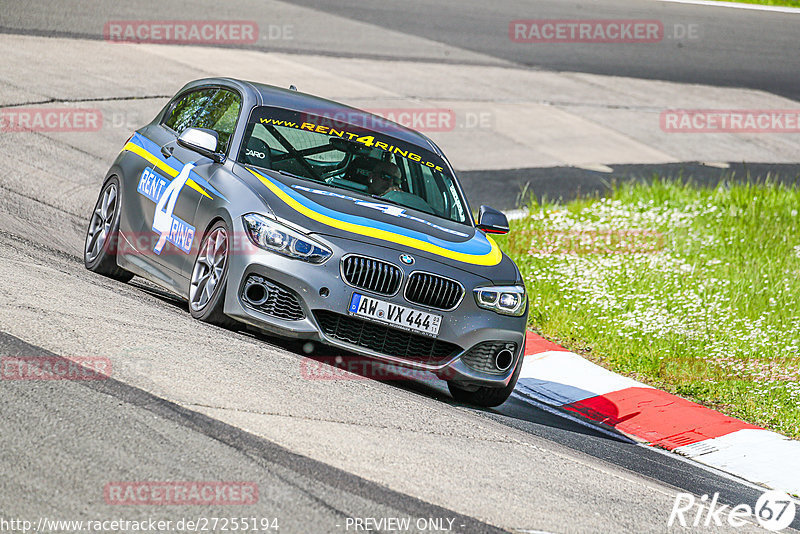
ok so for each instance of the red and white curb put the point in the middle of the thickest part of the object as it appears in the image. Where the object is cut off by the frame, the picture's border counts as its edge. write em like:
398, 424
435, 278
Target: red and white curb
556, 377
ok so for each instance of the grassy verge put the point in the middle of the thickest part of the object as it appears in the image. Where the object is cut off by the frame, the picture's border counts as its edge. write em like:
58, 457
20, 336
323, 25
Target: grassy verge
786, 3
696, 291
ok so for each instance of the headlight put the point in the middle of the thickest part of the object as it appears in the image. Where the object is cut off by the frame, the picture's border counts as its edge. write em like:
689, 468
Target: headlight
275, 237
508, 300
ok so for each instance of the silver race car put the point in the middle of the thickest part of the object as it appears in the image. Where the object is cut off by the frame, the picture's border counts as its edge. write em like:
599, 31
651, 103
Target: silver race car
313, 220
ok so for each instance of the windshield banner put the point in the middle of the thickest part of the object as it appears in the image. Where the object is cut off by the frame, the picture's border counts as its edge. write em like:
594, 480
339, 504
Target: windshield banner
352, 133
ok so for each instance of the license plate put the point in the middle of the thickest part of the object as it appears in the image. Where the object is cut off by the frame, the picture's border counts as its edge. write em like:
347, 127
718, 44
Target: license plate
395, 315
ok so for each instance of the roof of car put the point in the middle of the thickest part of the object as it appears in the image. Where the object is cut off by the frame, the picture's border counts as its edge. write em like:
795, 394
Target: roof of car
298, 101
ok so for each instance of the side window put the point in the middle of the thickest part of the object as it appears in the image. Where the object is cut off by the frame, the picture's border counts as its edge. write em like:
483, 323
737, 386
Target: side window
187, 108
220, 114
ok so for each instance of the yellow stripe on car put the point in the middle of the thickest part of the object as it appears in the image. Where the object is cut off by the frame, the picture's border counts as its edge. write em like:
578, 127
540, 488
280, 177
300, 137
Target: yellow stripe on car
156, 162
492, 257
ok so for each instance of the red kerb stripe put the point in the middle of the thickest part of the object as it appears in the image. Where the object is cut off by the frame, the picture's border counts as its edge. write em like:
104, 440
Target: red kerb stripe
534, 344
658, 417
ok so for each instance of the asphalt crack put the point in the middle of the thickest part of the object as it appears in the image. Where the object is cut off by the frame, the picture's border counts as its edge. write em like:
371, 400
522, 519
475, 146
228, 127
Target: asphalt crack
83, 100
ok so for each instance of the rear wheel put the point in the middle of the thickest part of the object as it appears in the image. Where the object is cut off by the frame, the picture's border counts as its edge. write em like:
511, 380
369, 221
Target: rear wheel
102, 236
485, 396
210, 277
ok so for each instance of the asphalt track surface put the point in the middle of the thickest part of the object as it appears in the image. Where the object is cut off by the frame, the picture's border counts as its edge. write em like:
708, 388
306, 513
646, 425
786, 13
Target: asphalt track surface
729, 47
238, 409
189, 401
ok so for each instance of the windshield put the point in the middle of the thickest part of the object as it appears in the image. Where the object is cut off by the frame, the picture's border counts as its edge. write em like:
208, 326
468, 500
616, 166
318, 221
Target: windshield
350, 157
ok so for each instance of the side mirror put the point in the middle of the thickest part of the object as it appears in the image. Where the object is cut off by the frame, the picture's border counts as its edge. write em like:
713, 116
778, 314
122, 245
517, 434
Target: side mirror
202, 141
492, 221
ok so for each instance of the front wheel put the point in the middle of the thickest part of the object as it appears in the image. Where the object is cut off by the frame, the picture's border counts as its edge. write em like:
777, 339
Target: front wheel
210, 277
102, 236
483, 396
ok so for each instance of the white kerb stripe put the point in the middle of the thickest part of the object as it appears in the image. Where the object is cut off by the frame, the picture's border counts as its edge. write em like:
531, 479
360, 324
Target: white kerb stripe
559, 377
756, 455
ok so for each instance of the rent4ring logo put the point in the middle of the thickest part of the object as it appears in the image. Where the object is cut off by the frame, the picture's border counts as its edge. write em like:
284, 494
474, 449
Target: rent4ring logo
165, 194
774, 511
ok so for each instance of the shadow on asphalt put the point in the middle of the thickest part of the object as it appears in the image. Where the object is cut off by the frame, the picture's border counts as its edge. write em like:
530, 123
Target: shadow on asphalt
519, 414
321, 362
328, 363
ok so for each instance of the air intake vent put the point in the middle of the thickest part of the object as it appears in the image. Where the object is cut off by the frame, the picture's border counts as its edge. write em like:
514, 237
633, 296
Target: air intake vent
384, 339
371, 274
271, 298
433, 291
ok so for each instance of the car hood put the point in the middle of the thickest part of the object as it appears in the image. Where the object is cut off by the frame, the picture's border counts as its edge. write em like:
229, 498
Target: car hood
340, 213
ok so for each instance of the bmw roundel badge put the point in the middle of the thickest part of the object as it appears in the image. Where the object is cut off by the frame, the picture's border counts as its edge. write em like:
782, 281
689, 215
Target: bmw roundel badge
407, 259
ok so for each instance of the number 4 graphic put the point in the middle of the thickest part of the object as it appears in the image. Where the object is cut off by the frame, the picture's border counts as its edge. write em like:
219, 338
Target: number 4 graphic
162, 220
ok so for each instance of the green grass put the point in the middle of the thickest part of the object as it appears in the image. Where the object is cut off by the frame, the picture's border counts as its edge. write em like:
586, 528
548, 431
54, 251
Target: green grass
693, 290
786, 3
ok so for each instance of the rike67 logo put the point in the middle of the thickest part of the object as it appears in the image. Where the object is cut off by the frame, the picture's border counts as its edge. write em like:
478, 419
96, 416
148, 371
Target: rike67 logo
774, 511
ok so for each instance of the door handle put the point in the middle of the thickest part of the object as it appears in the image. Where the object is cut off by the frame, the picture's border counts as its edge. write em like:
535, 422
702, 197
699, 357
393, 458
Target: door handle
167, 150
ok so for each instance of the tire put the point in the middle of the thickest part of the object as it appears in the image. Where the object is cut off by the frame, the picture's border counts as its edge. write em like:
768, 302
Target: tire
483, 396
209, 278
102, 235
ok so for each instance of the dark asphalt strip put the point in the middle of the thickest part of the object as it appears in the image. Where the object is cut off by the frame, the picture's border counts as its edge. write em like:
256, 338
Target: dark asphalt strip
664, 467
257, 448
60, 34
732, 48
510, 188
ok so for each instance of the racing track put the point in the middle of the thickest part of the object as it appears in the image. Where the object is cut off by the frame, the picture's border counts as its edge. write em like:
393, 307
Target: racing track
558, 117
189, 401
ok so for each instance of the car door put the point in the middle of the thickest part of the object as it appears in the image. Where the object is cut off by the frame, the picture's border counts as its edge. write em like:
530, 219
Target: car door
220, 114
159, 141
147, 169
170, 219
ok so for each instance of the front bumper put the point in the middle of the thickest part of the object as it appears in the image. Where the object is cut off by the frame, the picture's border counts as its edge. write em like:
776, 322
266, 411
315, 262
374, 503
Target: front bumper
320, 289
